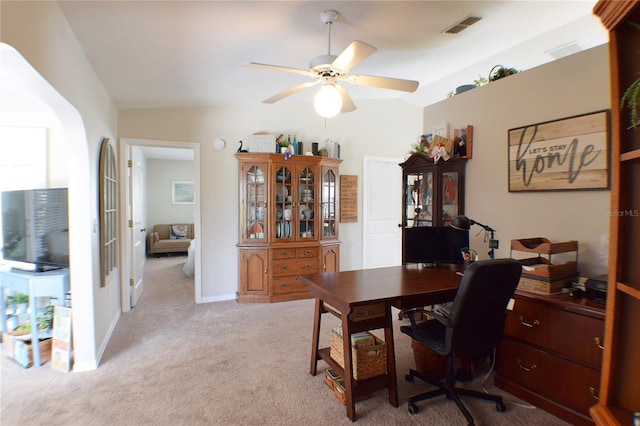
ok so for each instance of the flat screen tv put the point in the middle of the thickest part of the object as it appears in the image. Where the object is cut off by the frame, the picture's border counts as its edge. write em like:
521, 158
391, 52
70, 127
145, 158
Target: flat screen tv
435, 245
35, 229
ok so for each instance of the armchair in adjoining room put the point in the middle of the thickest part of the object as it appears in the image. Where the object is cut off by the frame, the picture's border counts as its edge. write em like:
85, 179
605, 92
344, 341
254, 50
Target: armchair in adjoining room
472, 328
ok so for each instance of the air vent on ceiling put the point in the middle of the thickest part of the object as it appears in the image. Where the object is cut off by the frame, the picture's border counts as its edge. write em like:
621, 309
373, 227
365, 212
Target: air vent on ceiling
462, 25
564, 50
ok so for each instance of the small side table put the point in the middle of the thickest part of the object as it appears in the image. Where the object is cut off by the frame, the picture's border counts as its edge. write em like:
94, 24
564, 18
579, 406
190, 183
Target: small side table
35, 284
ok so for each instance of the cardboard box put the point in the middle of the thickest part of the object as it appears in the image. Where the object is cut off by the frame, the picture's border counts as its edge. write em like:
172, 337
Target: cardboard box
21, 350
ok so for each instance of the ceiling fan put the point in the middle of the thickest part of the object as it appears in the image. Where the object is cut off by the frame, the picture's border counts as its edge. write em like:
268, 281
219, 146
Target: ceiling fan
328, 69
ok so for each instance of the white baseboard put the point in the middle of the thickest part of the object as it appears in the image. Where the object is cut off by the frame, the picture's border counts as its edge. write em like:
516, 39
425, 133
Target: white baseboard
217, 298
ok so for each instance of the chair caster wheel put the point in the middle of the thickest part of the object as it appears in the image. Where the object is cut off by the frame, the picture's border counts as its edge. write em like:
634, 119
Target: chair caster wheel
408, 378
500, 407
413, 409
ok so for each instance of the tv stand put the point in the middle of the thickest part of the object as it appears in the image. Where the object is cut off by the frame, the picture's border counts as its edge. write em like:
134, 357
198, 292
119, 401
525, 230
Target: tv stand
36, 284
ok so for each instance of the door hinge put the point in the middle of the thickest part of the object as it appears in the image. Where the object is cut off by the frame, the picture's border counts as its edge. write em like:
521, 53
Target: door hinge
130, 163
131, 282
130, 224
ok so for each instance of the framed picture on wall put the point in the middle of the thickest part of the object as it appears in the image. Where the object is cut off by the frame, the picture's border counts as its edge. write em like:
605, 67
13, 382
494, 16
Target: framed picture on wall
182, 193
566, 154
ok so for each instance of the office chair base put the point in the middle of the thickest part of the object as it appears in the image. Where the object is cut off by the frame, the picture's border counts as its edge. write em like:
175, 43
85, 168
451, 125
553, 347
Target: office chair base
450, 392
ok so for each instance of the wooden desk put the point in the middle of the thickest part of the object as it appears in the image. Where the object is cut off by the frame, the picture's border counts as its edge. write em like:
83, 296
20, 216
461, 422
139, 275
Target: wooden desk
363, 300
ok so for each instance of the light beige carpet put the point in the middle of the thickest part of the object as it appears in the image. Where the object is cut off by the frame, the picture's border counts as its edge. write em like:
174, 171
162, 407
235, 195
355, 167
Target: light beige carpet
172, 362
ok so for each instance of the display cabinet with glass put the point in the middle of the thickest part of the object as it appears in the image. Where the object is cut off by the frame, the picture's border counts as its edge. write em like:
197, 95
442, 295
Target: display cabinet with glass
288, 224
433, 194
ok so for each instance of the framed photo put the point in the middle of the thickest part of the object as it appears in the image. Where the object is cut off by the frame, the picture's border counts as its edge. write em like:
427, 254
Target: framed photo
463, 140
182, 193
567, 154
441, 130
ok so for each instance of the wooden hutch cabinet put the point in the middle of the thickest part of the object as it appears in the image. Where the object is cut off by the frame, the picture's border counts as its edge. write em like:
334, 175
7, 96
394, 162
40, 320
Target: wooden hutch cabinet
433, 194
288, 224
620, 381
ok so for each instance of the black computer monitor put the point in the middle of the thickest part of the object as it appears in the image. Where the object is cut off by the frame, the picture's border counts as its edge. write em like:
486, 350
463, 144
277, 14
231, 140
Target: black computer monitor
435, 245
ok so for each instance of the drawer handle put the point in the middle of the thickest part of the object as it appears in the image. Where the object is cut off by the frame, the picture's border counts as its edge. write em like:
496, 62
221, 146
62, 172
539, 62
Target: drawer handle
308, 266
284, 254
527, 369
284, 267
266, 271
598, 343
284, 285
307, 252
529, 324
593, 393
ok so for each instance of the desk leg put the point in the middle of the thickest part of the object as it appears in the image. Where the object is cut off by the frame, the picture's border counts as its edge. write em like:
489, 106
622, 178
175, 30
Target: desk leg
348, 366
392, 384
316, 336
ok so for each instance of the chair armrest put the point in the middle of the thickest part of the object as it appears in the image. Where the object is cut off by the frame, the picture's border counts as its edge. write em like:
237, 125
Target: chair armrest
153, 237
442, 319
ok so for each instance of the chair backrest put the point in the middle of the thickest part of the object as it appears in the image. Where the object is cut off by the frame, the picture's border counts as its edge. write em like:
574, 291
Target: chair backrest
479, 310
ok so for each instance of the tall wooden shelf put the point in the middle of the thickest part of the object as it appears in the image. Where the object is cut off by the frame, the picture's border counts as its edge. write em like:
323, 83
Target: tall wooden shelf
620, 380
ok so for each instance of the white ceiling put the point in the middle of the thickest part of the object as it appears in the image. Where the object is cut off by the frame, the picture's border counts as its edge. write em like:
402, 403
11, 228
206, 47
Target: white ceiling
154, 54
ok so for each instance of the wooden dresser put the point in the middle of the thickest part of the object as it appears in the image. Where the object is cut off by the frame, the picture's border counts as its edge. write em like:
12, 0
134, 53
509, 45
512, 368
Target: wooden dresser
551, 354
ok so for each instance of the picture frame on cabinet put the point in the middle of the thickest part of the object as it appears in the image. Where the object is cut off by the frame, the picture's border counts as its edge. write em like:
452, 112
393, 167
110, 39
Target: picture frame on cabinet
463, 141
441, 130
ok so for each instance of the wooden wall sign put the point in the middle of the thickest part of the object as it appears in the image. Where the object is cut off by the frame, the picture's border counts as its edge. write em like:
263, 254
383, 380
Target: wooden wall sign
348, 198
570, 153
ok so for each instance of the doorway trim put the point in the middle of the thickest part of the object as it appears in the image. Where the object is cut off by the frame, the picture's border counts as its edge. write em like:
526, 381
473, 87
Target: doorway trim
124, 144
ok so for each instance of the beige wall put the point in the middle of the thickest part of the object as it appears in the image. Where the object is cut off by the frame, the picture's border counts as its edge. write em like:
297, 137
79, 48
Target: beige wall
376, 128
571, 86
159, 208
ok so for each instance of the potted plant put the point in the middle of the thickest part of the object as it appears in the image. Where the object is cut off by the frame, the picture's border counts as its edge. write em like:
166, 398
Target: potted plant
20, 301
499, 72
631, 96
323, 152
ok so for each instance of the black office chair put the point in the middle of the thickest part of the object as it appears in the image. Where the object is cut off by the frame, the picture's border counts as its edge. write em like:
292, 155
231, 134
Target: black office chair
472, 328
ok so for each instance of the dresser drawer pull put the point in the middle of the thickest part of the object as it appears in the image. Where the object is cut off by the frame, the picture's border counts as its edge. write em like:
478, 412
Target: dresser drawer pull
593, 393
308, 266
528, 324
527, 369
597, 341
266, 271
284, 267
284, 254
284, 285
307, 252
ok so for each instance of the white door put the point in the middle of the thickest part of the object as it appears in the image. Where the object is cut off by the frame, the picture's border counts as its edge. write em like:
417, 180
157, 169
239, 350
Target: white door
382, 212
137, 237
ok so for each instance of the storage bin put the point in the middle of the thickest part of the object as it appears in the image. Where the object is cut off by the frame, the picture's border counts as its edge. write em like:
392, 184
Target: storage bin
368, 360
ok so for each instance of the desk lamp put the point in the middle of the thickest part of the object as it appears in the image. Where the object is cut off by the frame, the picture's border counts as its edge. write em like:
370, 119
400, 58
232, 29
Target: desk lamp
463, 223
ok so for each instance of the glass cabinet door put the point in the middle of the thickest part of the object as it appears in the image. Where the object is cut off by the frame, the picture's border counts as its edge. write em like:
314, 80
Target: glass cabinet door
329, 204
256, 207
419, 199
450, 197
306, 193
284, 213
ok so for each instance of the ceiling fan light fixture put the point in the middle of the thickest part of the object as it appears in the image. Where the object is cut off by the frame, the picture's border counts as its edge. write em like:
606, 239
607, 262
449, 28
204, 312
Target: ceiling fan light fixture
328, 101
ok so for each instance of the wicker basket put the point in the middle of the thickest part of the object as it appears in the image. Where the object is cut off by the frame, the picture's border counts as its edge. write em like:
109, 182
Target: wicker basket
428, 362
368, 361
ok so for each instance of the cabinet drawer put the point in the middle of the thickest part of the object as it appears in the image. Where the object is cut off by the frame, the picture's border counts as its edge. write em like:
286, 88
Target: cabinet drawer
295, 266
573, 335
289, 284
569, 384
284, 253
304, 252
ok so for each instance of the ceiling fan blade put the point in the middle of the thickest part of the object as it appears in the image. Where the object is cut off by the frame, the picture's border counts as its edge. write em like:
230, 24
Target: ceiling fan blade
279, 68
347, 103
289, 92
383, 82
355, 53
